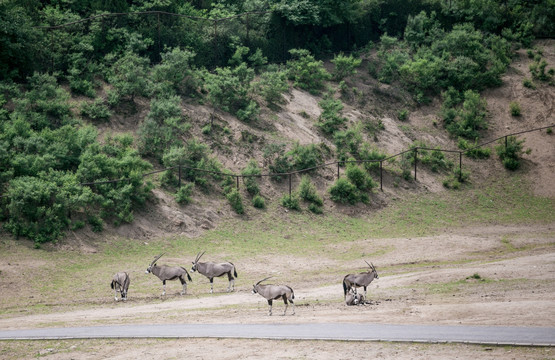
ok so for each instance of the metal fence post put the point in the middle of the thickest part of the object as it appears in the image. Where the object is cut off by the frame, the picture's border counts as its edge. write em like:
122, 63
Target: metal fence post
381, 176
460, 165
289, 186
415, 160
237, 178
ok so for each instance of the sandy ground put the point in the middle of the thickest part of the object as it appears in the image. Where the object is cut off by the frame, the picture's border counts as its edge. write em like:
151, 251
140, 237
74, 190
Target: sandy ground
488, 276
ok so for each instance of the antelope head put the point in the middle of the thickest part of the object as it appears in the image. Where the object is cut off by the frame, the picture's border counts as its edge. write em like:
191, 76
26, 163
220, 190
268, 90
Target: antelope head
372, 269
199, 255
255, 287
153, 263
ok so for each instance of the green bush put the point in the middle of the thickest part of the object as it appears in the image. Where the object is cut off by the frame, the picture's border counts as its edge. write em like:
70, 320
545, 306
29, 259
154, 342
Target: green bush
514, 108
343, 191
528, 83
235, 200
307, 191
177, 71
278, 162
344, 66
163, 127
305, 71
183, 195
258, 202
44, 104
403, 114
272, 84
372, 156
470, 118
96, 110
250, 177
302, 157
472, 150
194, 155
316, 209
511, 153
129, 76
330, 119
291, 201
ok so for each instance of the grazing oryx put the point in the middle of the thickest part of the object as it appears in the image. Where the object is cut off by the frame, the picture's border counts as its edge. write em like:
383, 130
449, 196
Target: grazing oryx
352, 281
165, 272
212, 270
120, 283
274, 292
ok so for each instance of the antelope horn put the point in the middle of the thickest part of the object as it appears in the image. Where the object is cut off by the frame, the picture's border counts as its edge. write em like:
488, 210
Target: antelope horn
264, 280
373, 267
199, 255
368, 264
156, 259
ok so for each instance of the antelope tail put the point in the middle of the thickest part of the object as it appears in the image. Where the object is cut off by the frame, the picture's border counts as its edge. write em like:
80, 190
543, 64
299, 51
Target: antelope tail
112, 284
345, 287
234, 270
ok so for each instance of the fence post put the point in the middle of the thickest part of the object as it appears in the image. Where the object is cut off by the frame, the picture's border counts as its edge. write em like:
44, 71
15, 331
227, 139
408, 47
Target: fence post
506, 143
415, 160
460, 165
338, 170
289, 186
381, 176
237, 178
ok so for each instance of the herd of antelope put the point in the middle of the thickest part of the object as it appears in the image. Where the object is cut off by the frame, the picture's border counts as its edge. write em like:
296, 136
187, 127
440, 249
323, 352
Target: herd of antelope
121, 280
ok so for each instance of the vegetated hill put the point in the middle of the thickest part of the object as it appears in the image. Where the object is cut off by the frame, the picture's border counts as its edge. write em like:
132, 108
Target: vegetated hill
373, 105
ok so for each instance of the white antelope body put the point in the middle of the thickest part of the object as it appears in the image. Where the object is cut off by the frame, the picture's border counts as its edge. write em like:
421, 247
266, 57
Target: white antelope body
120, 282
165, 273
275, 292
212, 270
353, 281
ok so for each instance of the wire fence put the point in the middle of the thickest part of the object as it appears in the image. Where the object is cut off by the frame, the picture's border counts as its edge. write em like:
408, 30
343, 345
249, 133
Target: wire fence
334, 164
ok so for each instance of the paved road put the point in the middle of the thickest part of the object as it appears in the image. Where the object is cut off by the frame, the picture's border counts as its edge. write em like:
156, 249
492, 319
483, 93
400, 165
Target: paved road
502, 335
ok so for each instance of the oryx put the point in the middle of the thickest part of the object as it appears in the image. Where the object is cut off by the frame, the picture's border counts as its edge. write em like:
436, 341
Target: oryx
353, 281
353, 298
120, 282
165, 272
274, 292
212, 270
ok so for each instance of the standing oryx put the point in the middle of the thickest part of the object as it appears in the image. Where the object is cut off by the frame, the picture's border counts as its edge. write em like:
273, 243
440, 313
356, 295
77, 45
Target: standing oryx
120, 282
212, 270
274, 292
165, 272
352, 281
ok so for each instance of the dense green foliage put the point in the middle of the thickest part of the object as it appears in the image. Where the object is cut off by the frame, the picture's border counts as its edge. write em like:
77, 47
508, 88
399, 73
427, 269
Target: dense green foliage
213, 54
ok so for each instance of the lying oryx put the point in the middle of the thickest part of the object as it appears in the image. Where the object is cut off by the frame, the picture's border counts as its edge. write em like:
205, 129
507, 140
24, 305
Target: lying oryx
212, 270
274, 292
165, 272
353, 298
352, 281
120, 283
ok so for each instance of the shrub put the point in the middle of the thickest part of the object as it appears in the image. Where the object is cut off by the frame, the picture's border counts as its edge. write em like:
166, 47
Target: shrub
306, 72
258, 202
316, 209
291, 201
272, 84
403, 114
510, 155
307, 191
343, 191
514, 108
176, 70
369, 153
344, 66
330, 120
470, 118
360, 178
472, 150
528, 83
183, 195
303, 157
129, 76
235, 200
250, 179
95, 110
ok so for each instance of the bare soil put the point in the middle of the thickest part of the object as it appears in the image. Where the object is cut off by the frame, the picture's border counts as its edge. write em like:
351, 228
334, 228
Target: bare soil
473, 276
